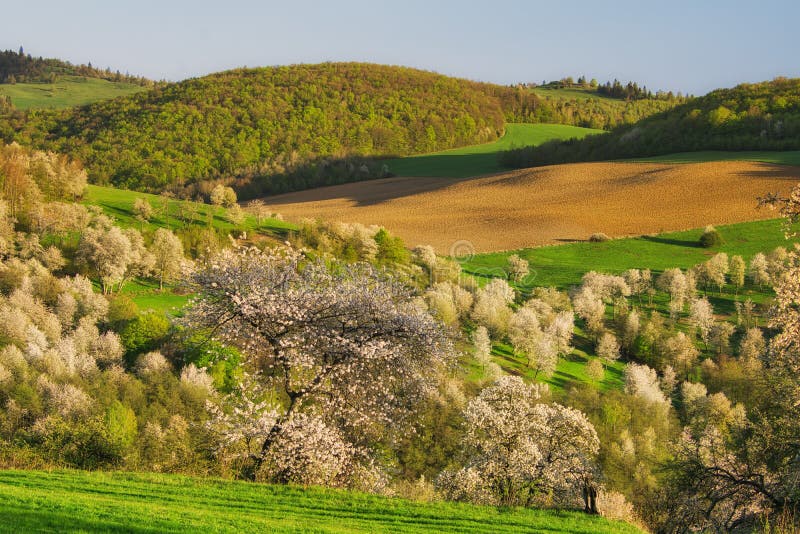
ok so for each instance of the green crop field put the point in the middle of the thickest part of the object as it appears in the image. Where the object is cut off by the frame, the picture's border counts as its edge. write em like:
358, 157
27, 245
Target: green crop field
66, 92
482, 159
74, 501
791, 157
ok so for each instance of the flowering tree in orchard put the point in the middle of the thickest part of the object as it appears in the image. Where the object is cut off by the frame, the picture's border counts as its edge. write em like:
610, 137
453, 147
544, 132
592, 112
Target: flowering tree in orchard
340, 349
733, 465
520, 448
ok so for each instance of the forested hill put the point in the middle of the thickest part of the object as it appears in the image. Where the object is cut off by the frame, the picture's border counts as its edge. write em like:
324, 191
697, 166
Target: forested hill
760, 116
264, 122
18, 67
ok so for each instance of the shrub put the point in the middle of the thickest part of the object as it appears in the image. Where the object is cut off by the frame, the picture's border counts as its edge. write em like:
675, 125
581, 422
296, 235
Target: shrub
145, 333
710, 238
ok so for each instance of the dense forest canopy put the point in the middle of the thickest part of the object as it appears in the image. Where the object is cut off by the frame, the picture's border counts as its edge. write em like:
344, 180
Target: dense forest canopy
264, 121
18, 67
760, 116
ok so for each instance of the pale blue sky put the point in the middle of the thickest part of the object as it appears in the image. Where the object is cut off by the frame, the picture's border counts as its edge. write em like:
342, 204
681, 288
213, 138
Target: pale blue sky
691, 46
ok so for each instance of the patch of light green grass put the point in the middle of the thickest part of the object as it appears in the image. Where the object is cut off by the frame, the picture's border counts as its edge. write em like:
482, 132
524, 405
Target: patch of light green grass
482, 159
175, 214
66, 92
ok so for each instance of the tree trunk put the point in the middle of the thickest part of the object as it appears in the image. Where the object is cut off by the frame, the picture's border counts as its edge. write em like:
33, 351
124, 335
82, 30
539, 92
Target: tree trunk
590, 498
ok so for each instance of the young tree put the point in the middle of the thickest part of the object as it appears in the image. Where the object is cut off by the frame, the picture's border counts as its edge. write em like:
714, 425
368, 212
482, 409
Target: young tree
143, 210
595, 370
106, 252
608, 348
491, 307
642, 381
167, 251
701, 316
344, 343
738, 269
518, 268
590, 308
758, 270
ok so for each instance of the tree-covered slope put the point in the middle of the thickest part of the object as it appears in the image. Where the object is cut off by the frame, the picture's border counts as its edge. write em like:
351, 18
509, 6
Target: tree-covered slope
761, 116
18, 67
263, 122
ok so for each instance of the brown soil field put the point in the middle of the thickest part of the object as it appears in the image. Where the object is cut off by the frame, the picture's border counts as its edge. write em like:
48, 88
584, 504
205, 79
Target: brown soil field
548, 205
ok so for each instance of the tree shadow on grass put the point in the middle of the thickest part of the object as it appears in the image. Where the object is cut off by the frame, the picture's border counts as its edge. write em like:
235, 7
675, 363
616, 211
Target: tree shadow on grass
669, 241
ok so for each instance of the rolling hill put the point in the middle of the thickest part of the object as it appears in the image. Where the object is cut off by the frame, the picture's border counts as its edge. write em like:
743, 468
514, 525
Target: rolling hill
69, 501
265, 122
761, 116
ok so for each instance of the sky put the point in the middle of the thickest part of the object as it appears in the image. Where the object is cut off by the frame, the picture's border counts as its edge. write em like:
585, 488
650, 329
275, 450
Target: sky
689, 46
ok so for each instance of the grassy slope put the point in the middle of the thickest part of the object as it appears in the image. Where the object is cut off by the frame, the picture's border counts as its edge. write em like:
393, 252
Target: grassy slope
791, 157
563, 266
35, 501
118, 203
66, 92
482, 159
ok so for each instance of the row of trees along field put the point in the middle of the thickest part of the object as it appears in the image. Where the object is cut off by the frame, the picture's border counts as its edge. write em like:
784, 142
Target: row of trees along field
347, 361
761, 116
18, 67
279, 129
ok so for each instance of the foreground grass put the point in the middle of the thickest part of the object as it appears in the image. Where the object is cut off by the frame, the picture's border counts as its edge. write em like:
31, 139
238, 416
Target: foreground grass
69, 501
66, 92
482, 159
780, 158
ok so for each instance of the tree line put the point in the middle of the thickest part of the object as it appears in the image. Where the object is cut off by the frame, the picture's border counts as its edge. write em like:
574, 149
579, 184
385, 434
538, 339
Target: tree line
760, 116
18, 67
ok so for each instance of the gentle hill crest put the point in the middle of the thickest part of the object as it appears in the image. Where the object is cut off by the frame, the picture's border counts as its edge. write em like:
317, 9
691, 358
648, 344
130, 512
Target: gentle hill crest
758, 116
266, 121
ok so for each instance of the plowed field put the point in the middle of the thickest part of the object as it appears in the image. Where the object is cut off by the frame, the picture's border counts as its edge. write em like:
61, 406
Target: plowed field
546, 205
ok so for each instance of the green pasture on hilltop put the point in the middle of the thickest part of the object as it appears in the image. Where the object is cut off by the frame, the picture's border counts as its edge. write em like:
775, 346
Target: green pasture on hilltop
65, 92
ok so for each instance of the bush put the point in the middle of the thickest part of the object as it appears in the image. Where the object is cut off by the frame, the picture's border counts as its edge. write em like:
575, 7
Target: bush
710, 238
598, 237
144, 333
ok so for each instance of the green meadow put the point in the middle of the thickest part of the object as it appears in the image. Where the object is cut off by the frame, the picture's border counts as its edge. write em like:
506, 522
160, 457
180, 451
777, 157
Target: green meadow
562, 266
482, 159
66, 92
76, 501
